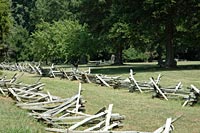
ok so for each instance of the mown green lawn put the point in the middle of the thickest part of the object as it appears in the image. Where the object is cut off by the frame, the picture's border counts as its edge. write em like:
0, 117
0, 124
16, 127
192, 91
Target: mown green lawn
15, 120
142, 112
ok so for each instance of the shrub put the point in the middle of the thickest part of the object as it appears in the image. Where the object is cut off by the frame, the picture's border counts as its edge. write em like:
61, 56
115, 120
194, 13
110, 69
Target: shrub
133, 55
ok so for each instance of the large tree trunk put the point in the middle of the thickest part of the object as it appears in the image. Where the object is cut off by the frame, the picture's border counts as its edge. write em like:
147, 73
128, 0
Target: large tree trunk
119, 50
170, 62
160, 60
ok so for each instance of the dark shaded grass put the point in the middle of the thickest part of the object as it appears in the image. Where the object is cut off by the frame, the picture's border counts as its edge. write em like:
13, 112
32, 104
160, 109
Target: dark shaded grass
143, 67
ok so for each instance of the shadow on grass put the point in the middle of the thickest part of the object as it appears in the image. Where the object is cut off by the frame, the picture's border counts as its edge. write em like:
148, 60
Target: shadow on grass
123, 69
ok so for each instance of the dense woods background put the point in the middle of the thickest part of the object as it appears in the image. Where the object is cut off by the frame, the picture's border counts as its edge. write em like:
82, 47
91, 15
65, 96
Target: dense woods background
63, 31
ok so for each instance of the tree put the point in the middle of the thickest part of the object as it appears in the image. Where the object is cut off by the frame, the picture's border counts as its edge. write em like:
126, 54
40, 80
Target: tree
19, 46
54, 10
120, 37
169, 20
5, 24
5, 19
188, 39
168, 28
60, 41
95, 14
22, 13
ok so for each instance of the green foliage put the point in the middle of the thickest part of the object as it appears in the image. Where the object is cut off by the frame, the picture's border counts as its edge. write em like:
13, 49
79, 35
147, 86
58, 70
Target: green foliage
22, 12
169, 23
119, 31
119, 35
169, 27
5, 19
18, 43
95, 13
133, 55
60, 41
54, 10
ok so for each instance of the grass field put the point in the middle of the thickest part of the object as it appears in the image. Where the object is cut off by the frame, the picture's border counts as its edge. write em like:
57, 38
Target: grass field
142, 112
15, 120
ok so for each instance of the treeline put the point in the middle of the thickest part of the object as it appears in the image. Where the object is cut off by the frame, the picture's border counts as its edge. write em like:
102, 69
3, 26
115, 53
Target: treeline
80, 30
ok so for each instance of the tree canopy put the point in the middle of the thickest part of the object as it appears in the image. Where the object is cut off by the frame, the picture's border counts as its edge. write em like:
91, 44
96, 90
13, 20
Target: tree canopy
5, 25
5, 19
60, 41
62, 31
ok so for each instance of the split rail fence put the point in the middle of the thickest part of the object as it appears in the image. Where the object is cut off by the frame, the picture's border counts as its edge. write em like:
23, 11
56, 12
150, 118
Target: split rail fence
65, 114
190, 95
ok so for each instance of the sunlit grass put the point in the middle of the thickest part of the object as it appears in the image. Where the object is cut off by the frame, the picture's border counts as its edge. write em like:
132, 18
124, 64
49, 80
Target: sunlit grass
15, 120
